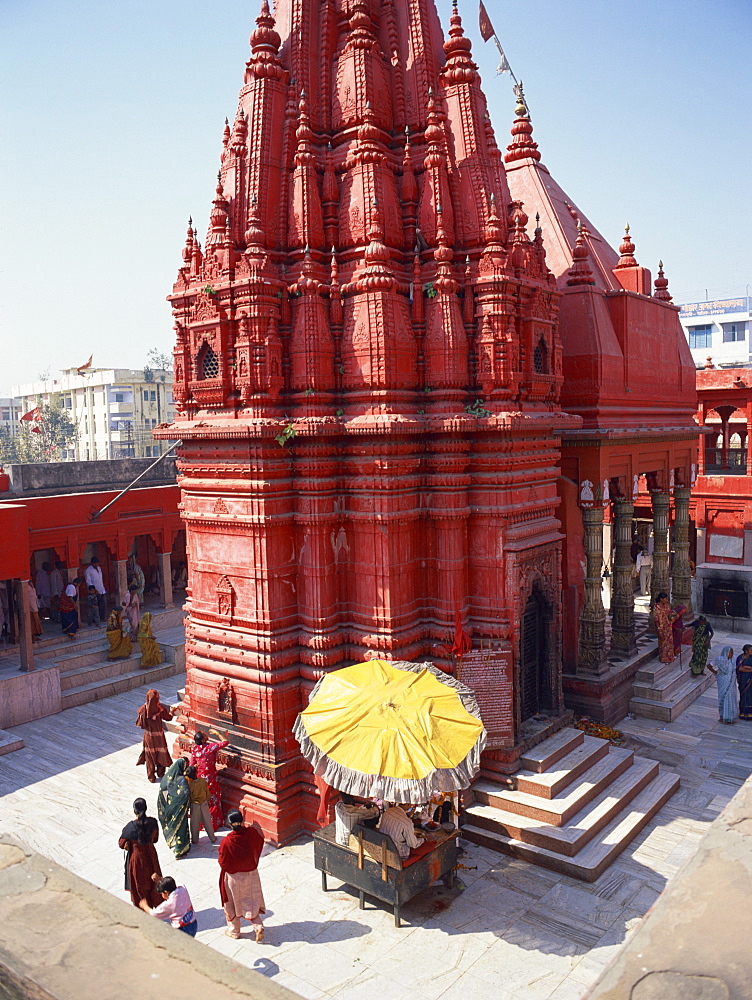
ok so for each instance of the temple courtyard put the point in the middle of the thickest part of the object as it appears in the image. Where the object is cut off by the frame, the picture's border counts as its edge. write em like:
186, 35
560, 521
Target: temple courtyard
513, 930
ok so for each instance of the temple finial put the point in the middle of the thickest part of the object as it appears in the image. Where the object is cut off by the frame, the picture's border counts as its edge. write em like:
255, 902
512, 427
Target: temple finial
580, 273
522, 145
626, 249
661, 285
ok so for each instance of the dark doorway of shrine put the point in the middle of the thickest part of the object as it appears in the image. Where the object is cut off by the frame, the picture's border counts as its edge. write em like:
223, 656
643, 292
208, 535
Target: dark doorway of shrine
535, 674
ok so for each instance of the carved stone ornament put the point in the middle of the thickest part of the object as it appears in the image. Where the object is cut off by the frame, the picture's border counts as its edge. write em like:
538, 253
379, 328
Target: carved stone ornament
226, 700
225, 597
587, 497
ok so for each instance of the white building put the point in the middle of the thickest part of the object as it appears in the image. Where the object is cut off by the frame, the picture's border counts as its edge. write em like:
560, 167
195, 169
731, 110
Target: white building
719, 330
114, 409
10, 411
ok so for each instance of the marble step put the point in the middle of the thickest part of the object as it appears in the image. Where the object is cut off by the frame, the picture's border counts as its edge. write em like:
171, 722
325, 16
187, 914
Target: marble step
601, 850
548, 784
73, 659
105, 669
9, 742
652, 673
64, 647
681, 699
97, 690
558, 811
545, 754
664, 688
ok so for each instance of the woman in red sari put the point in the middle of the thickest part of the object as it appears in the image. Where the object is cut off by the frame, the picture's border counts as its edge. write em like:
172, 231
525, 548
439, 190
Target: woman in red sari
154, 754
239, 884
204, 759
664, 619
677, 628
141, 862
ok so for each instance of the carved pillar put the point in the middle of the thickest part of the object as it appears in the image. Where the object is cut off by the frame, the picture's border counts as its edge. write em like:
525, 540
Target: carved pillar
24, 621
121, 580
592, 650
748, 440
681, 576
660, 580
165, 580
702, 414
622, 597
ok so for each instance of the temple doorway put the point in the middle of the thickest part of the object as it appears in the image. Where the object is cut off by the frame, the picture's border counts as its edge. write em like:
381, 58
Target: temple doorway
535, 680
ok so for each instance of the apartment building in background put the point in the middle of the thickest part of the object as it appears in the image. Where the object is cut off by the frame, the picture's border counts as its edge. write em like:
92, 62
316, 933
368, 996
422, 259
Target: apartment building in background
10, 411
718, 329
115, 410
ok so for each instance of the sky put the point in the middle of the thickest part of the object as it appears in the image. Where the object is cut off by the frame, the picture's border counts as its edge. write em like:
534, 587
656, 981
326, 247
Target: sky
112, 115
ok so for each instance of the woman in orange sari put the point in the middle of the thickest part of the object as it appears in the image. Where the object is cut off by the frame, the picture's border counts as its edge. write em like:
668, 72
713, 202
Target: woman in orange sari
664, 618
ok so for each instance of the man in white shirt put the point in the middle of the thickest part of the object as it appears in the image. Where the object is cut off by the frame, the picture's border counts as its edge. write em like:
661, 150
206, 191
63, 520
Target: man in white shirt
350, 811
93, 577
395, 823
645, 569
57, 586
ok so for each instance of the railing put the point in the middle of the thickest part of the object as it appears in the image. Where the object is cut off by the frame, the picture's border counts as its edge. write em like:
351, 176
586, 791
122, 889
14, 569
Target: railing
735, 464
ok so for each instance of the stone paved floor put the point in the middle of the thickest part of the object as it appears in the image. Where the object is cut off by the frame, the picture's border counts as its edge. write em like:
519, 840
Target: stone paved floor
515, 931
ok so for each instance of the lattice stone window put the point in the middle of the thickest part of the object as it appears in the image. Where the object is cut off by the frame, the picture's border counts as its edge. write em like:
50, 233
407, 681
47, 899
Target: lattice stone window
210, 367
540, 357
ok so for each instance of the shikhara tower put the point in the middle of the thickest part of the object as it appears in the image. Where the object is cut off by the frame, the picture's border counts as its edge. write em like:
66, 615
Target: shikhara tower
368, 372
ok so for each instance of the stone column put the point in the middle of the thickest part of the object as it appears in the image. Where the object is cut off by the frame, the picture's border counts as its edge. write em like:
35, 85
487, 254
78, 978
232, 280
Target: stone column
703, 442
748, 440
121, 580
165, 580
681, 576
622, 595
660, 580
24, 622
592, 647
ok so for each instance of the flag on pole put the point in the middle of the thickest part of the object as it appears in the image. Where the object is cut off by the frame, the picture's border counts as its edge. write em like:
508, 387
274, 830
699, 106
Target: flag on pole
82, 368
35, 414
486, 28
487, 33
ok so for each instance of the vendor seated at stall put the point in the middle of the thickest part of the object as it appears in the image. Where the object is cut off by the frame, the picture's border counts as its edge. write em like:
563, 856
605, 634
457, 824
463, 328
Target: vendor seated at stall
349, 811
395, 823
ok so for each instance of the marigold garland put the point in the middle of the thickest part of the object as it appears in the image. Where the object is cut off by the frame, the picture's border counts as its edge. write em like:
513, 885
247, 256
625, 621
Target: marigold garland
599, 729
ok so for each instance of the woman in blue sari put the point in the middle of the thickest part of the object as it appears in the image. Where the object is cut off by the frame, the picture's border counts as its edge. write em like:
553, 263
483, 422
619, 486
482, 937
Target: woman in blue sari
173, 807
725, 669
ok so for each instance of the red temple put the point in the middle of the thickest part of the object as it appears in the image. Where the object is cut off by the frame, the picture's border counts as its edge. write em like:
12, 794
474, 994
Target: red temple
370, 358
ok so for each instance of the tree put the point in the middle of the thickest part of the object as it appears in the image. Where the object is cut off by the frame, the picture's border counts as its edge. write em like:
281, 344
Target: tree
157, 361
43, 440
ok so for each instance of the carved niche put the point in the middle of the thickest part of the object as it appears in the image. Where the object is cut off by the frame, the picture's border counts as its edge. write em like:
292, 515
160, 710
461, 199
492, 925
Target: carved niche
225, 598
226, 700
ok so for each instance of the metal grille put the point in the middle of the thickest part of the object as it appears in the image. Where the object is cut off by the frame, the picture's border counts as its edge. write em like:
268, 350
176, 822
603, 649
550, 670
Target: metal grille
539, 357
210, 367
530, 659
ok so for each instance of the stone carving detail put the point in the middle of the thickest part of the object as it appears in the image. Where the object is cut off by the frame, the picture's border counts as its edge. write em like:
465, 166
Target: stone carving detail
225, 598
226, 700
220, 507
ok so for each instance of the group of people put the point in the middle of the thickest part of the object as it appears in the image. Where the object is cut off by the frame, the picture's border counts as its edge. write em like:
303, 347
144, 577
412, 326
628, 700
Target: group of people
189, 798
670, 628
403, 824
734, 684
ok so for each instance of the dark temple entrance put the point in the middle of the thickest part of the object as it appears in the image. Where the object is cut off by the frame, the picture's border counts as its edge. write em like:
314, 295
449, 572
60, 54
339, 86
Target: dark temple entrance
535, 681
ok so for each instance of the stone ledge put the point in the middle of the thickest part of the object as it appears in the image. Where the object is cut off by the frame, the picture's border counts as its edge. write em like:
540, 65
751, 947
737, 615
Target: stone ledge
64, 939
694, 943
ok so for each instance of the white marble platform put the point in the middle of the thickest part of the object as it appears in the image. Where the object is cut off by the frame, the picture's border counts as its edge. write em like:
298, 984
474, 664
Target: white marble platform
516, 931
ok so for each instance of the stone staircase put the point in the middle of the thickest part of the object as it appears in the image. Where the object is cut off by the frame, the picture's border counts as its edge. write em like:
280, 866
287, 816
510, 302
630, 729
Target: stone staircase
87, 675
664, 690
576, 805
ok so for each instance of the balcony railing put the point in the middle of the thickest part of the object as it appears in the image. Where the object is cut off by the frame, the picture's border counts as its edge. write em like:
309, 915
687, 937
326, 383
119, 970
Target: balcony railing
734, 465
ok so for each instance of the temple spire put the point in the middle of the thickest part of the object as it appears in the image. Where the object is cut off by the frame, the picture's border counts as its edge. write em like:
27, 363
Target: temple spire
626, 249
522, 145
661, 285
580, 273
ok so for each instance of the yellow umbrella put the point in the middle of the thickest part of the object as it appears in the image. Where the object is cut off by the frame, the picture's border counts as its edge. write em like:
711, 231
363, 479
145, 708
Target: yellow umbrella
392, 730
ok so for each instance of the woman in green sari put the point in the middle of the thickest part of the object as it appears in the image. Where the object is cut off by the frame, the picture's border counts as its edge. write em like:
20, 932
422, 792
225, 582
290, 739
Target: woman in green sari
173, 807
703, 633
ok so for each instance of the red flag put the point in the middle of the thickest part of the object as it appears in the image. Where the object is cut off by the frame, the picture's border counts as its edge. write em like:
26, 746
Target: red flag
82, 368
462, 641
35, 430
486, 28
35, 414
